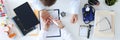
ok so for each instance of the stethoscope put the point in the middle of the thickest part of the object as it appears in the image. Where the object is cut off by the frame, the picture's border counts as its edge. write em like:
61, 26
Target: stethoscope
88, 13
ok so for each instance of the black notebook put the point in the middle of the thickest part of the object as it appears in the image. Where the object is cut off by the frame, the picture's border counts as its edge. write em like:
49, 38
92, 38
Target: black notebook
25, 18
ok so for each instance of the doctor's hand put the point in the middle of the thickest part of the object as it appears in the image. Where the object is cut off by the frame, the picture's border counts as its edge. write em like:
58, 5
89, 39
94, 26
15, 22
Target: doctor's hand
74, 18
45, 15
59, 24
46, 25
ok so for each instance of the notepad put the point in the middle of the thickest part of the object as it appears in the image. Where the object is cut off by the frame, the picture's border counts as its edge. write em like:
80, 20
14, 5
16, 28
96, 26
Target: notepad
53, 31
83, 31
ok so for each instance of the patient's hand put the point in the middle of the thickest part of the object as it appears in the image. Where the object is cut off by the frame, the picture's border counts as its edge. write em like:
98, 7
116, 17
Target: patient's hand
74, 18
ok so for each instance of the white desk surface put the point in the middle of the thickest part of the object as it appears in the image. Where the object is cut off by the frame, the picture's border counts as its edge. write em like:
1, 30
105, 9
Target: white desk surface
72, 28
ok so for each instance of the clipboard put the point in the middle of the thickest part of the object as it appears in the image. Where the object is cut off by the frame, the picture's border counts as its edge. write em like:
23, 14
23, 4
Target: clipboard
52, 32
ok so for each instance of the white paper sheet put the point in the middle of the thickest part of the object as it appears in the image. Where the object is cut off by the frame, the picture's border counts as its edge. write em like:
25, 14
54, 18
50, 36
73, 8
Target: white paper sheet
53, 30
83, 31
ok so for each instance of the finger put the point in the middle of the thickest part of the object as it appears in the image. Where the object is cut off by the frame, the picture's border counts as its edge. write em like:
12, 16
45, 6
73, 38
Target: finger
51, 17
76, 18
47, 22
57, 20
50, 21
60, 21
72, 20
44, 20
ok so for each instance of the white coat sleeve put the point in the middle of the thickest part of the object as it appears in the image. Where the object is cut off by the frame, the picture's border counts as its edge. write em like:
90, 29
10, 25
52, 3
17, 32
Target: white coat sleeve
75, 6
65, 35
42, 35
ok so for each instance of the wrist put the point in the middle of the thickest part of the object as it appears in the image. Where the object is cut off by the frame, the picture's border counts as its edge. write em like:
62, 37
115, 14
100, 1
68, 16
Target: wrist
46, 28
61, 26
75, 14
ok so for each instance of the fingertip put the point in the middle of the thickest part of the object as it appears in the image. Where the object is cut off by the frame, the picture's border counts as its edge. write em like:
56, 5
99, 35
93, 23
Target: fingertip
56, 20
47, 21
71, 20
59, 20
51, 17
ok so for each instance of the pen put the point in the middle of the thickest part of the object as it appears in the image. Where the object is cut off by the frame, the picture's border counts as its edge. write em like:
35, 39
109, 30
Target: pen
54, 21
89, 29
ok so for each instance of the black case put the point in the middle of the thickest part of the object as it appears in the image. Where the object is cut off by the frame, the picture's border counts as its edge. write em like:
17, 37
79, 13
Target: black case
25, 18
